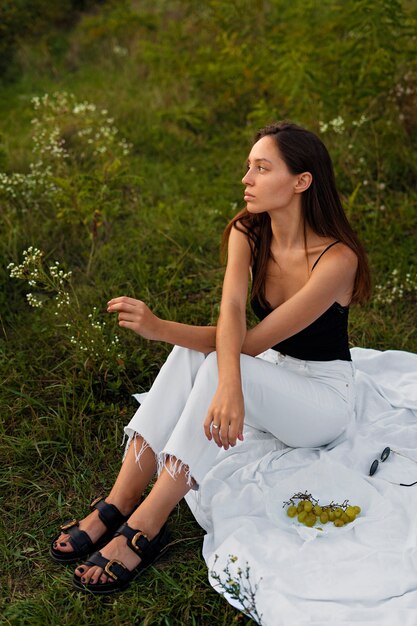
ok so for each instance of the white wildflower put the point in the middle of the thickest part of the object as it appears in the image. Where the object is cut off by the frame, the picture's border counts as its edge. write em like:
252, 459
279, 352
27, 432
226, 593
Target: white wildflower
338, 124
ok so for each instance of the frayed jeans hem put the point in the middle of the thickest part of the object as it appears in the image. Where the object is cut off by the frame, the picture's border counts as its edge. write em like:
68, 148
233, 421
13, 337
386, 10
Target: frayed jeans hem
163, 459
174, 468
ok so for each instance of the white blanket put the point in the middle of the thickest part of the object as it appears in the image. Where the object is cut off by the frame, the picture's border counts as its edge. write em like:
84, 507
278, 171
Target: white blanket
365, 573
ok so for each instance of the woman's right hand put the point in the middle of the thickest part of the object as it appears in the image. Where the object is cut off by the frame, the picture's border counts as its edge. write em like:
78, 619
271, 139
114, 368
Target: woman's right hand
137, 316
225, 416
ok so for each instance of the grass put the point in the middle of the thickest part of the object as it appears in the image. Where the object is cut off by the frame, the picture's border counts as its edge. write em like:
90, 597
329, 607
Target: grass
188, 94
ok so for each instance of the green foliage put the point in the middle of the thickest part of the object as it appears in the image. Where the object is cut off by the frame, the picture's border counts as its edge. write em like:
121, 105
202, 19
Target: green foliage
122, 146
77, 180
29, 19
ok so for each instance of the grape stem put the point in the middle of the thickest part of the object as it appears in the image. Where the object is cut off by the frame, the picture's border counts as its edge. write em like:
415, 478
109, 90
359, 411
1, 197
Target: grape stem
300, 496
308, 496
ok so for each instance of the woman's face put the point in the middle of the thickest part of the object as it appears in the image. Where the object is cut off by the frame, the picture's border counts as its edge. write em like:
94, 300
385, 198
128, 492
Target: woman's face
269, 185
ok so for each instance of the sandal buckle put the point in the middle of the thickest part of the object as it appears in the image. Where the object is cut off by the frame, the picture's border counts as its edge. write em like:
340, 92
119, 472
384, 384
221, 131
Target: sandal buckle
95, 501
70, 524
136, 538
108, 567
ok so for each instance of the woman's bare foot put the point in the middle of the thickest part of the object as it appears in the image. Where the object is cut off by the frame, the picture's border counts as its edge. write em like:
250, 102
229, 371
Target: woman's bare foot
115, 549
92, 525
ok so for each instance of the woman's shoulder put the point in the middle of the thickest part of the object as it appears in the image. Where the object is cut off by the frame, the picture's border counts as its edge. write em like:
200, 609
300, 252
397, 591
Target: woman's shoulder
247, 227
345, 255
239, 245
339, 253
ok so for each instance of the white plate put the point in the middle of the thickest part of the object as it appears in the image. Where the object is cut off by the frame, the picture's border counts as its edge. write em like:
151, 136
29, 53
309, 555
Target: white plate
326, 481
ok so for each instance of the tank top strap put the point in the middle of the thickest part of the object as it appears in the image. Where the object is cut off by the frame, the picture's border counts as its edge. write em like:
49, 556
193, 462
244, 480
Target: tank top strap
325, 250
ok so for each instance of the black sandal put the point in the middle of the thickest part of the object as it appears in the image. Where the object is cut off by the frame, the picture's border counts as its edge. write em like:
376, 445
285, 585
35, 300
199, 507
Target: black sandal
148, 550
111, 517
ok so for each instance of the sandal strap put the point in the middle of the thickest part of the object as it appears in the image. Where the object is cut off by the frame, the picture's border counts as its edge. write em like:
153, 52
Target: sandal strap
79, 539
109, 514
136, 539
111, 567
147, 549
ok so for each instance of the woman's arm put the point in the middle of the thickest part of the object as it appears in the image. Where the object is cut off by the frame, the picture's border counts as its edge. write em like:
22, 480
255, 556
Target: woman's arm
199, 338
137, 316
331, 281
227, 407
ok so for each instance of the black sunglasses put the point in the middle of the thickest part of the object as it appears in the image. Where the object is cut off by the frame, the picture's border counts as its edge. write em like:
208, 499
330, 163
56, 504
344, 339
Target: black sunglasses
385, 454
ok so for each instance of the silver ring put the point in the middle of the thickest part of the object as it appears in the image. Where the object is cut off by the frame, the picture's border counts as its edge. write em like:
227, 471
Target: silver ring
214, 426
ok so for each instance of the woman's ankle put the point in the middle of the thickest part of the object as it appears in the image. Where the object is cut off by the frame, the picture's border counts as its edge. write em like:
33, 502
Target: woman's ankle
149, 524
124, 503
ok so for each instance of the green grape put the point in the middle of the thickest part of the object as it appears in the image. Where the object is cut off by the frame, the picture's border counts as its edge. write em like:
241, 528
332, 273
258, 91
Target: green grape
310, 520
324, 518
292, 511
309, 512
350, 511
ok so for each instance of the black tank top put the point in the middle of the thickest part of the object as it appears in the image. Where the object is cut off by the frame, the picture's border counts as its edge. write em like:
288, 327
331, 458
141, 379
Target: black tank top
326, 339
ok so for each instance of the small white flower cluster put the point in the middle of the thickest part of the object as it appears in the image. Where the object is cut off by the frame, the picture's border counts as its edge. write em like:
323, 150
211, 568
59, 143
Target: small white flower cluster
32, 270
360, 121
92, 341
58, 111
28, 187
62, 299
396, 288
120, 51
11, 184
59, 274
34, 301
47, 142
403, 94
56, 103
31, 257
338, 125
401, 89
84, 107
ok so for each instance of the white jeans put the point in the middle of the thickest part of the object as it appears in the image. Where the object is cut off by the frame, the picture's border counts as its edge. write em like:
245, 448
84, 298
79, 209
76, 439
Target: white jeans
302, 403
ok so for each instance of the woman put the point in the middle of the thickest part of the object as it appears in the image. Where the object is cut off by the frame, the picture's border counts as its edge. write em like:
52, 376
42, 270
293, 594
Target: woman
307, 267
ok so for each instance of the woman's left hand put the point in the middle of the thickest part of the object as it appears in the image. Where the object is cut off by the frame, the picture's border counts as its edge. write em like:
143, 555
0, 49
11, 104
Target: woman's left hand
224, 421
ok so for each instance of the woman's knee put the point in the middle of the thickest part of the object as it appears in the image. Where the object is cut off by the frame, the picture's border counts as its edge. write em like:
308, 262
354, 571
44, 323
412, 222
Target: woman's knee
185, 357
179, 351
250, 369
207, 375
211, 360
210, 369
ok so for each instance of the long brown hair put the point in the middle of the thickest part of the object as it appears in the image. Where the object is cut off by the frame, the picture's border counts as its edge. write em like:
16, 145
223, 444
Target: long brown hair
322, 210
